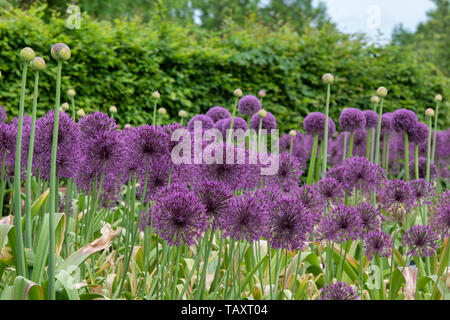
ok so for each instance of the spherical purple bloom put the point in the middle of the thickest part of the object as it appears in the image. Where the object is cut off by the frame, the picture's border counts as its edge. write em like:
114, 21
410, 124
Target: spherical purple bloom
238, 123
370, 216
338, 291
268, 123
246, 218
315, 123
3, 114
311, 199
403, 119
26, 121
337, 173
423, 168
423, 192
371, 119
330, 189
249, 105
220, 125
93, 124
8, 136
378, 242
215, 196
440, 220
289, 224
218, 113
341, 224
421, 241
418, 133
362, 174
157, 178
289, 172
180, 217
352, 119
68, 149
386, 122
397, 197
206, 122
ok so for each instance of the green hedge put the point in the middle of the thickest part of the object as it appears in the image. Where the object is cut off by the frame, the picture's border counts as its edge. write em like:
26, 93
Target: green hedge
122, 64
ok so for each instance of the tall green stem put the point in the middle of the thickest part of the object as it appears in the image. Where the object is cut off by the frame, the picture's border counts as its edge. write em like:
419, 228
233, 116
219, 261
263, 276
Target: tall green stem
20, 254
406, 157
416, 160
232, 120
429, 153
325, 138
154, 113
74, 114
312, 160
377, 146
433, 152
350, 144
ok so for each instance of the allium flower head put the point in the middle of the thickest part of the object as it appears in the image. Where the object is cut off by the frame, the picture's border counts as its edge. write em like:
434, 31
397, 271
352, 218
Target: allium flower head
315, 123
397, 197
341, 224
269, 122
371, 119
371, 217
386, 122
289, 224
218, 113
249, 105
423, 192
352, 119
338, 291
289, 172
311, 199
330, 189
362, 174
403, 119
238, 123
94, 124
157, 178
421, 241
8, 136
179, 216
246, 219
207, 122
423, 168
378, 242
440, 220
418, 133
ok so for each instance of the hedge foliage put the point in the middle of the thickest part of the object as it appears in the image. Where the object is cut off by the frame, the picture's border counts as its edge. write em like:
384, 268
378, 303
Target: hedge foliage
122, 63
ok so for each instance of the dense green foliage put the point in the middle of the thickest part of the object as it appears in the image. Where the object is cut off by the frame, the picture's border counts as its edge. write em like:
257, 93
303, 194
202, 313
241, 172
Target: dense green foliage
123, 63
432, 38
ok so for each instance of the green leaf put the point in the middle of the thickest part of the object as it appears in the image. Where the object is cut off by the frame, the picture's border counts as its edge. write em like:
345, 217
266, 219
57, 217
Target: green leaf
24, 289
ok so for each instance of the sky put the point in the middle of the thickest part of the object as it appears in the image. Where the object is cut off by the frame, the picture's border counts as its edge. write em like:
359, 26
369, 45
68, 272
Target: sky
375, 16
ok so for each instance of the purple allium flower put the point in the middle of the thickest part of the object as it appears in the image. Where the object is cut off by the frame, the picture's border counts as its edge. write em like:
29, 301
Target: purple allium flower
330, 189
370, 216
93, 124
180, 217
157, 178
423, 192
440, 220
207, 122
289, 172
386, 122
8, 136
215, 196
249, 105
289, 224
423, 168
315, 123
246, 218
68, 149
238, 123
26, 121
268, 123
218, 113
3, 114
397, 197
310, 198
378, 242
418, 133
341, 224
421, 240
338, 291
147, 143
337, 173
403, 119
362, 174
371, 119
352, 119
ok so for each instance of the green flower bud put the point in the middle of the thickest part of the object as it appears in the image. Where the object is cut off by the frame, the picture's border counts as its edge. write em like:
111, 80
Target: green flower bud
65, 106
38, 64
113, 109
238, 93
127, 126
81, 113
438, 98
375, 99
429, 112
162, 111
382, 92
262, 93
292, 133
156, 95
27, 54
182, 114
71, 93
60, 51
328, 78
262, 113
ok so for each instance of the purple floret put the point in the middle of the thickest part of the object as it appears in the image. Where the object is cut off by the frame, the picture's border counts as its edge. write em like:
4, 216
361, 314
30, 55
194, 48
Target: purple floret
371, 119
352, 119
378, 242
338, 291
418, 133
218, 113
249, 105
421, 241
268, 123
206, 122
403, 119
3, 115
341, 224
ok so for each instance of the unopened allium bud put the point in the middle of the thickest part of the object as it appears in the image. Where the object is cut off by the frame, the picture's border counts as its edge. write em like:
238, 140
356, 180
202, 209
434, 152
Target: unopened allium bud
238, 93
81, 113
382, 92
113, 109
262, 93
127, 126
61, 51
38, 64
328, 78
292, 133
65, 106
429, 112
156, 95
375, 99
162, 111
182, 114
262, 113
71, 93
27, 54
61, 109
0, 74
438, 98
